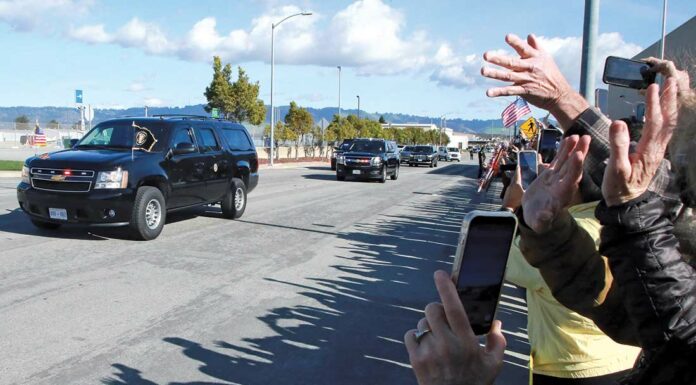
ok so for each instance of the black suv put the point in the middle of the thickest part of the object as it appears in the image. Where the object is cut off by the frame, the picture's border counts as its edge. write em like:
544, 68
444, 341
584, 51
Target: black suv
369, 159
133, 171
423, 155
340, 150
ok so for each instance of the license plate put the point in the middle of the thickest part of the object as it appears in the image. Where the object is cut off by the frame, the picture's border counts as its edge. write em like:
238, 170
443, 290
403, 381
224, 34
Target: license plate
356, 172
421, 158
61, 214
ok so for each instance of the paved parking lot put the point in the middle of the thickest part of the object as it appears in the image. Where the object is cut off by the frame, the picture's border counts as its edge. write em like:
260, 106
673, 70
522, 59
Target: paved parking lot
316, 284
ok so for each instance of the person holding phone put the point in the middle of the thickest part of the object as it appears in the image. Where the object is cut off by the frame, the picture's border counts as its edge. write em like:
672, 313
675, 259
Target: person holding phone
566, 347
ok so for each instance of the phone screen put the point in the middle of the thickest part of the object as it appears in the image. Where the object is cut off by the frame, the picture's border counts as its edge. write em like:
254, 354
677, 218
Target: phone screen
482, 268
528, 167
627, 73
548, 143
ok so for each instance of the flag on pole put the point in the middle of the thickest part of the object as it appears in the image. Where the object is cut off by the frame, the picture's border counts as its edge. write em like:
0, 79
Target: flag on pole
39, 138
515, 111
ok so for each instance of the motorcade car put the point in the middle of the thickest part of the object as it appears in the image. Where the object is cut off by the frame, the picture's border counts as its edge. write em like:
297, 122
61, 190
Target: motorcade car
133, 171
442, 153
368, 158
405, 154
345, 144
426, 155
453, 154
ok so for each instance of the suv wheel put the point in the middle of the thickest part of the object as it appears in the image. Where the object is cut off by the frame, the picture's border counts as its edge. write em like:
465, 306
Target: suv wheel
45, 225
149, 213
383, 178
435, 163
234, 202
340, 177
395, 175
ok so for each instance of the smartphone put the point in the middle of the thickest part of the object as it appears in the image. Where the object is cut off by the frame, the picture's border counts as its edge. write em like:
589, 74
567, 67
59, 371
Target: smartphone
479, 266
628, 73
548, 142
529, 166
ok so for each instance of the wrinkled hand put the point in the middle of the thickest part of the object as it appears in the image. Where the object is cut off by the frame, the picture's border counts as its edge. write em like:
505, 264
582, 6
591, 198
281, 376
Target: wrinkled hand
554, 188
450, 354
513, 195
534, 76
668, 69
627, 176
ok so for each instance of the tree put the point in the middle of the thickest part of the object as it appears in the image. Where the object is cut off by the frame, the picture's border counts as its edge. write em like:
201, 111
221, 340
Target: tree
280, 135
300, 122
381, 120
238, 101
219, 92
22, 119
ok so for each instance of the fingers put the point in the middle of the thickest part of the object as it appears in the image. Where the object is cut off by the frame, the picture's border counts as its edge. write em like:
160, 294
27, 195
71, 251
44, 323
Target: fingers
506, 91
532, 41
506, 76
505, 61
564, 152
572, 169
410, 341
669, 107
619, 141
454, 310
423, 324
520, 46
495, 341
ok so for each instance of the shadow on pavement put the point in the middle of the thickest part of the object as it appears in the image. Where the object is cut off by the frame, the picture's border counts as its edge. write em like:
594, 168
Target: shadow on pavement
351, 330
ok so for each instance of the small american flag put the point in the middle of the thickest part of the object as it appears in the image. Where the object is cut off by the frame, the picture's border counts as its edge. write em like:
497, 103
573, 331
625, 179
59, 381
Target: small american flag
515, 111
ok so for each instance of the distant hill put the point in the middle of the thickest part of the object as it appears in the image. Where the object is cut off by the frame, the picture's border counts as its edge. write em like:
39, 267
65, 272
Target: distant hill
71, 115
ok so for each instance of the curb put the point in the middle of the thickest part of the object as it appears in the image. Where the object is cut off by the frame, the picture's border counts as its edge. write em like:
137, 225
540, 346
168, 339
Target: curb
282, 166
10, 174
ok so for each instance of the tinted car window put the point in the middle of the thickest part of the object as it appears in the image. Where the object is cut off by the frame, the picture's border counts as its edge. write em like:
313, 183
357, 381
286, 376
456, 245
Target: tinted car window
367, 146
208, 140
426, 149
121, 134
183, 135
237, 140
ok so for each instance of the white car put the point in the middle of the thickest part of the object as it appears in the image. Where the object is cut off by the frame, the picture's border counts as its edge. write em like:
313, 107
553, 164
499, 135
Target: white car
453, 154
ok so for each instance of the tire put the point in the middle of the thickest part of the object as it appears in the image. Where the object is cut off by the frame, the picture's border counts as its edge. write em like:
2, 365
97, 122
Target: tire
45, 225
395, 175
235, 201
435, 163
340, 177
149, 213
432, 164
383, 178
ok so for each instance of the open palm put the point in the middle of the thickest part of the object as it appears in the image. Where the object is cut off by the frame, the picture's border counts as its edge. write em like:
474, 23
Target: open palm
555, 187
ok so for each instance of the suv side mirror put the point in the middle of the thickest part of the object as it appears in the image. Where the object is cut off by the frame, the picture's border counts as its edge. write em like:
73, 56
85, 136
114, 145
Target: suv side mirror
184, 148
73, 142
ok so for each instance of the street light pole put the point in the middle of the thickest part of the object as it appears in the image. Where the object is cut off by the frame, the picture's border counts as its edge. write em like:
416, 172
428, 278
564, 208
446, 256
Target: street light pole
273, 27
664, 25
358, 96
339, 93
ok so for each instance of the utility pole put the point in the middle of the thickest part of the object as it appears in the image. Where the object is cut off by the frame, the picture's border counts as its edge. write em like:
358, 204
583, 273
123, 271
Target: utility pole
339, 93
589, 35
664, 25
358, 96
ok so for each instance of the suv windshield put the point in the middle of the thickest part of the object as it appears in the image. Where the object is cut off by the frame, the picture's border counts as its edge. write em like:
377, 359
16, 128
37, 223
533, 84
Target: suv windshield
452, 149
367, 146
422, 149
120, 134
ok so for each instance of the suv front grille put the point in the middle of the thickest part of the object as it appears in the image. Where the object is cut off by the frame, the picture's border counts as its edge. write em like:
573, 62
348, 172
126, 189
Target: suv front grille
358, 161
64, 180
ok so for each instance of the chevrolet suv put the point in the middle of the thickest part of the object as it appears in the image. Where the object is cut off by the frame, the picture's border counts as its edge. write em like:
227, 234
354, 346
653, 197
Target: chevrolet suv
369, 159
426, 155
134, 171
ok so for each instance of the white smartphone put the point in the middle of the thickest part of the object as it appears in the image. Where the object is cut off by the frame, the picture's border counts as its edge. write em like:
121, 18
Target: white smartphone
479, 266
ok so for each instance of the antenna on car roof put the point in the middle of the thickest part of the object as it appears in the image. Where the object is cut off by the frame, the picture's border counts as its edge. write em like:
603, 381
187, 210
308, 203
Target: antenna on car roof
162, 116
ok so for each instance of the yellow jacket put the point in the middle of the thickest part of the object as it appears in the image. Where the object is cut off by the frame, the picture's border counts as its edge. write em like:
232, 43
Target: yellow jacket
564, 343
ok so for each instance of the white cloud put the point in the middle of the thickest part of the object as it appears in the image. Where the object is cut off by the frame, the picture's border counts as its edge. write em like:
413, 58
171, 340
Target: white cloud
153, 102
136, 87
93, 34
567, 52
27, 15
146, 36
454, 70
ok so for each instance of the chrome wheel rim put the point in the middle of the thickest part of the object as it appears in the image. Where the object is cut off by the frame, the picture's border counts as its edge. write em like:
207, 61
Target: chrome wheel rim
238, 199
153, 214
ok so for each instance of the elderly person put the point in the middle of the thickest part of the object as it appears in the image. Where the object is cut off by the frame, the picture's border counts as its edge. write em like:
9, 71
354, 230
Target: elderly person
646, 294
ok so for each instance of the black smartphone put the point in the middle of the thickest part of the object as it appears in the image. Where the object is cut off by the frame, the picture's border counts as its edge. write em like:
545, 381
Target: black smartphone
479, 266
529, 166
549, 140
628, 73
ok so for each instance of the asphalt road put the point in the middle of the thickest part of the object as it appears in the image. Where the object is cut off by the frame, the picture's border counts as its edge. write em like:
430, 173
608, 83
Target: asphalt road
316, 284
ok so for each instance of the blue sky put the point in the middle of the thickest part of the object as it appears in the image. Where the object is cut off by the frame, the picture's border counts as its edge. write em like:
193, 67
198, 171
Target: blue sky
413, 57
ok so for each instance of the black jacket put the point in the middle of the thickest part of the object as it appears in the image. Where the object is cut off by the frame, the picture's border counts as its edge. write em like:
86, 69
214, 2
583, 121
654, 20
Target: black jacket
658, 287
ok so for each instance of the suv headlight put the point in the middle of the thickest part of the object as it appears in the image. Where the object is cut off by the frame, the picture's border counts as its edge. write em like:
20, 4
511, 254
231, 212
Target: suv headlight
376, 161
25, 174
112, 179
340, 159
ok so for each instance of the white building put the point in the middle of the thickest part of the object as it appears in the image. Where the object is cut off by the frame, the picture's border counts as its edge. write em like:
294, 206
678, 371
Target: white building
457, 139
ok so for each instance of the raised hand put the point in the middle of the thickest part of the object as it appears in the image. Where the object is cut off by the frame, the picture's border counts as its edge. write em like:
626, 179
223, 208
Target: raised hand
536, 78
555, 187
450, 354
627, 176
